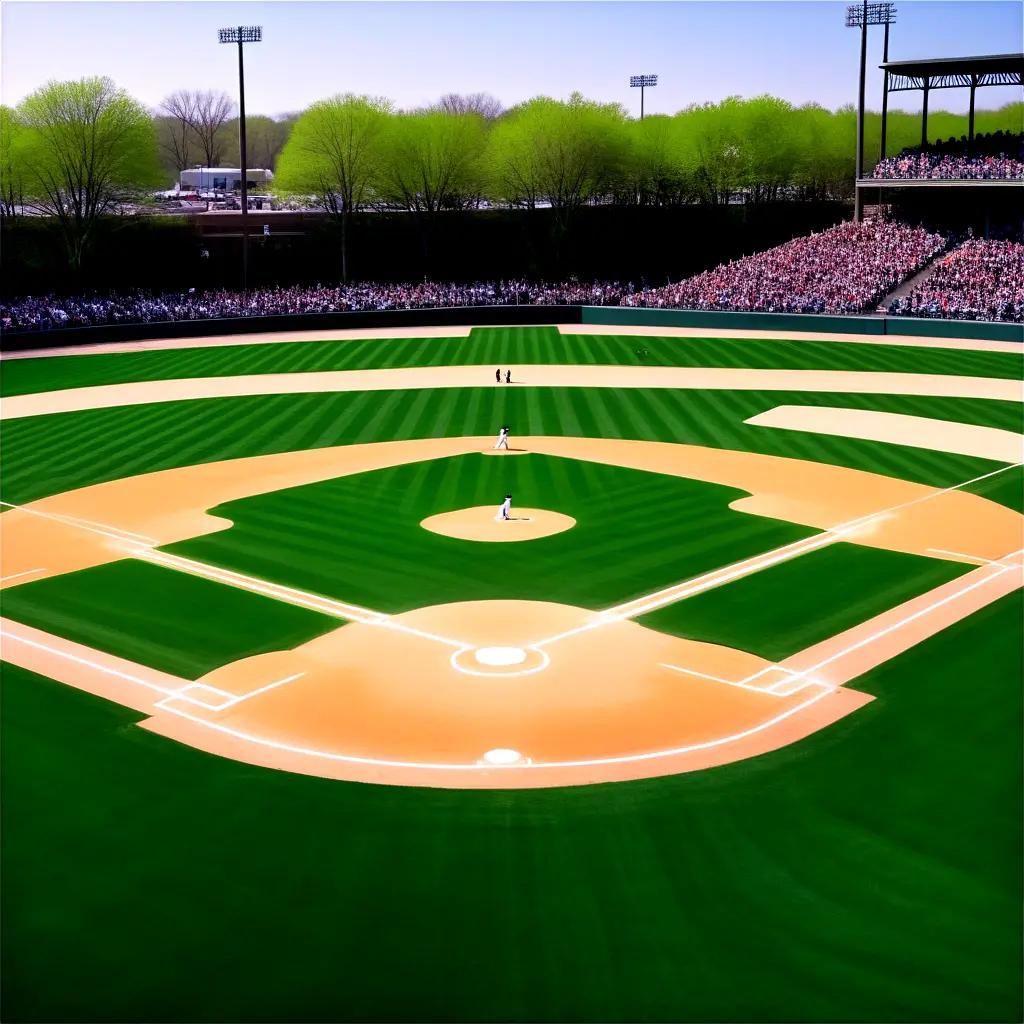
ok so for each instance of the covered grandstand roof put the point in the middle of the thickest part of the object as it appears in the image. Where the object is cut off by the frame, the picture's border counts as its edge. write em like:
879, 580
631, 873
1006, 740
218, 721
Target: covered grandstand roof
956, 72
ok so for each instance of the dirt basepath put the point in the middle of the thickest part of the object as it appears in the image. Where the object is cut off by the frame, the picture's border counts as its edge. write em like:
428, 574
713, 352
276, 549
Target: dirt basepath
508, 694
125, 518
505, 694
535, 376
897, 428
276, 337
483, 695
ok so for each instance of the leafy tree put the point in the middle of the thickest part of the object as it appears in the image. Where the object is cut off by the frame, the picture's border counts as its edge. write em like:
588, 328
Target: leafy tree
335, 152
561, 154
87, 149
664, 160
432, 163
265, 138
12, 168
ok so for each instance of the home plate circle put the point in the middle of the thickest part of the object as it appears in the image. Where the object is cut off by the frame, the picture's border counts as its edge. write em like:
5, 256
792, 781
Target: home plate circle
500, 661
500, 656
502, 755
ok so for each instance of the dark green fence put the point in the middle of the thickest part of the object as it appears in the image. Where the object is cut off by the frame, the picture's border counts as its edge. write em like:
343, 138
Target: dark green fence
873, 325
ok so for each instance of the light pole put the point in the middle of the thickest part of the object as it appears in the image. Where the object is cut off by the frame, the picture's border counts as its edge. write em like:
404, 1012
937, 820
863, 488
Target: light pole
860, 16
642, 82
241, 35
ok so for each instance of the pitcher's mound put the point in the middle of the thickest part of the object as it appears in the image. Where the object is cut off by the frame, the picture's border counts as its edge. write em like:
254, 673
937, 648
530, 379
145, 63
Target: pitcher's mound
479, 523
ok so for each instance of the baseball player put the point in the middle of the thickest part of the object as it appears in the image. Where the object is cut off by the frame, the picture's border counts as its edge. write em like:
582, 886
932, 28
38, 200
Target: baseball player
502, 441
506, 507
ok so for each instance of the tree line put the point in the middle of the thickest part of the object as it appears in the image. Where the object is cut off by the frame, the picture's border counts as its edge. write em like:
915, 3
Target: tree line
80, 150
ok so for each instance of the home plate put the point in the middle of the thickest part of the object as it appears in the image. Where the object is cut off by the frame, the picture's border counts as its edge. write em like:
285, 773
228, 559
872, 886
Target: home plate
502, 755
500, 656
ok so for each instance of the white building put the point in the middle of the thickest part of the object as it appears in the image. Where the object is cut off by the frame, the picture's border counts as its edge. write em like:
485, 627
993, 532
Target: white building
222, 179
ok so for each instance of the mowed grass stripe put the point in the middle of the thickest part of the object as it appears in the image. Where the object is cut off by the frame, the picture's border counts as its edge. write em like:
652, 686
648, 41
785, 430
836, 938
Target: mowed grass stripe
165, 619
505, 348
358, 538
791, 606
881, 901
51, 454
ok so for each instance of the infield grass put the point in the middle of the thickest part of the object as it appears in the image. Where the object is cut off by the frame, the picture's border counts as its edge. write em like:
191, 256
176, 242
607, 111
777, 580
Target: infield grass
358, 539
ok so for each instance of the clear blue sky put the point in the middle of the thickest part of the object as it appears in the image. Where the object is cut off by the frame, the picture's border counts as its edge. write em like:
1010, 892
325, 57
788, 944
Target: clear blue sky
413, 52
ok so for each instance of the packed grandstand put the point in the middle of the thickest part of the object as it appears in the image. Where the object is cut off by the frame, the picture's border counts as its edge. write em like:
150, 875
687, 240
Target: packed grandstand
979, 280
995, 156
846, 269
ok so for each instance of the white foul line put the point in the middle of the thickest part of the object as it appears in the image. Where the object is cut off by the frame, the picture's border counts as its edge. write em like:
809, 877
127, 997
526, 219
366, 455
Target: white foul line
16, 575
717, 577
963, 557
290, 595
232, 700
797, 678
588, 763
909, 618
85, 524
92, 664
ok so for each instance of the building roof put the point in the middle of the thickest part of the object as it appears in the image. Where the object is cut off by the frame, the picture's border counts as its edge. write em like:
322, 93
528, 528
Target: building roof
956, 72
227, 170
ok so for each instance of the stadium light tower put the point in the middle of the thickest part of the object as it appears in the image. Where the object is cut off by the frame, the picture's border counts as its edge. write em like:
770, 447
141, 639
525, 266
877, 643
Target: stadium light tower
860, 16
241, 35
642, 82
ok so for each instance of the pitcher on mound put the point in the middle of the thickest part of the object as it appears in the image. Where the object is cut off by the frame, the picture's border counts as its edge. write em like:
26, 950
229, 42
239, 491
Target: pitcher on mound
502, 441
506, 507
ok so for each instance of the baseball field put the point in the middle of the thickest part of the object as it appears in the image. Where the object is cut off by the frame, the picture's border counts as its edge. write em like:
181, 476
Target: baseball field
722, 723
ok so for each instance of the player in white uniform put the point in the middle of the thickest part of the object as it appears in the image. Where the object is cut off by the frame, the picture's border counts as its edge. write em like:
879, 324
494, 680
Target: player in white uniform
502, 441
506, 507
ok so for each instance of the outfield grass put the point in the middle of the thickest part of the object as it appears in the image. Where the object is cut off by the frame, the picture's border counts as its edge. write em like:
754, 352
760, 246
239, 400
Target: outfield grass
501, 346
869, 872
49, 454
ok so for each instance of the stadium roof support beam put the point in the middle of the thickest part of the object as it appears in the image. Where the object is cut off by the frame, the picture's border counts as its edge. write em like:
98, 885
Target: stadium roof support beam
1000, 69
924, 114
970, 112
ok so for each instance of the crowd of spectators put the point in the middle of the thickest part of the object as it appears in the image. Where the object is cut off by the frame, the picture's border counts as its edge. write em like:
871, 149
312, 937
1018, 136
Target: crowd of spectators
47, 312
979, 280
846, 269
995, 156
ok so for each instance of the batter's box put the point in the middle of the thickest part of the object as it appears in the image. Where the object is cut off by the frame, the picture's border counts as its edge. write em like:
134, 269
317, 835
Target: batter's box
777, 680
201, 695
